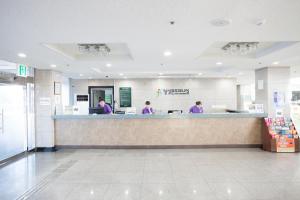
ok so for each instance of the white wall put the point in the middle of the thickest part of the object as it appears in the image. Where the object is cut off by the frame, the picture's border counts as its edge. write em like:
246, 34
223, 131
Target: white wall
295, 72
279, 79
211, 91
261, 95
245, 96
65, 91
295, 80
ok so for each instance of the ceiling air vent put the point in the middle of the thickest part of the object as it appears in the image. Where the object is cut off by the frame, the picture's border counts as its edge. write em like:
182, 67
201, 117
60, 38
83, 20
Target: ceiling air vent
100, 48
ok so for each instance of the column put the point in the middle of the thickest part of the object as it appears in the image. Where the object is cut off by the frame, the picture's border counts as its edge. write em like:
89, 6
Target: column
46, 104
271, 89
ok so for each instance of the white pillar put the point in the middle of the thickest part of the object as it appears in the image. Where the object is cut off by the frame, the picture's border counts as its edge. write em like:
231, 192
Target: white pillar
46, 102
271, 83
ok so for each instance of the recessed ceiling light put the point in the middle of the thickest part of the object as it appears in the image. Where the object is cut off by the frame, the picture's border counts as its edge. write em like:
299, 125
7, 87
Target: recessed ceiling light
80, 74
219, 63
22, 55
275, 63
199, 74
121, 74
167, 53
108, 65
53, 66
160, 73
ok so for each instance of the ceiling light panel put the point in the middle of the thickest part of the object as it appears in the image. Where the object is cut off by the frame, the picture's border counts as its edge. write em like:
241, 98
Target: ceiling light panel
167, 53
22, 55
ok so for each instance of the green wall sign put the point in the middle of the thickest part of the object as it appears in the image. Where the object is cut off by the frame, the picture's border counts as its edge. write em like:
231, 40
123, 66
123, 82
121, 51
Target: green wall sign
22, 70
125, 96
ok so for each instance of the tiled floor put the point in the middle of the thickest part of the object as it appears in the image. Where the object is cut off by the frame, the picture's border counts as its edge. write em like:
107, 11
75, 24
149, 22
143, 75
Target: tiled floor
192, 174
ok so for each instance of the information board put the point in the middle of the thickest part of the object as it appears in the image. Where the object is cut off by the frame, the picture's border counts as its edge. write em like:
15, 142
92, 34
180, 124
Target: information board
125, 97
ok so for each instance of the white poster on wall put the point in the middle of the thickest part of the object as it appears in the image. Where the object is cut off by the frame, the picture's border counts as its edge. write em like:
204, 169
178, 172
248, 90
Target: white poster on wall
278, 99
279, 113
260, 84
45, 101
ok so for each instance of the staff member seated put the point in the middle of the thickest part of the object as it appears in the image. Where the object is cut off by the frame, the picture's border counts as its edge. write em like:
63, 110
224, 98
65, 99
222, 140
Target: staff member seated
197, 108
106, 107
147, 109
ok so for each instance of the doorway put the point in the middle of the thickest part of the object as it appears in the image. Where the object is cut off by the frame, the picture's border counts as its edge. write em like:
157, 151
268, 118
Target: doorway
13, 126
104, 92
17, 118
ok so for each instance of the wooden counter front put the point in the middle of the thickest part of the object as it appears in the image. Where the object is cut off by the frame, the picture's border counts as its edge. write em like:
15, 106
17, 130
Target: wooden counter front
233, 131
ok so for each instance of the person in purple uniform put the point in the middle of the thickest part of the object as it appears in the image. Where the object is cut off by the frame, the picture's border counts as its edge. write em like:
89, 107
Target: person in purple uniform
147, 109
197, 108
106, 107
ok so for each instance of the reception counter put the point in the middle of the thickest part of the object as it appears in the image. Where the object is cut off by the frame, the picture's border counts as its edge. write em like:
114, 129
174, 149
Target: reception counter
159, 131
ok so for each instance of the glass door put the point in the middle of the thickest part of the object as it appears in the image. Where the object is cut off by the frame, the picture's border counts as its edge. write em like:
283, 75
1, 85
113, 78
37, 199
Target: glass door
13, 128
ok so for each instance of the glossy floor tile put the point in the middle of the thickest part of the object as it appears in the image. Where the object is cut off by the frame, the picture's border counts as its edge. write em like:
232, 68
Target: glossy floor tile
167, 174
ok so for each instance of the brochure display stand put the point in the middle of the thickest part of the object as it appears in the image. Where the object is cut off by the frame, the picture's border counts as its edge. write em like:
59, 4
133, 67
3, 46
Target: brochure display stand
280, 135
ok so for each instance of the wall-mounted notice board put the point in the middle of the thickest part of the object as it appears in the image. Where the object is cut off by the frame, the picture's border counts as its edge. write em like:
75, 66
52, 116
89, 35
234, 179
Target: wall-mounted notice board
125, 96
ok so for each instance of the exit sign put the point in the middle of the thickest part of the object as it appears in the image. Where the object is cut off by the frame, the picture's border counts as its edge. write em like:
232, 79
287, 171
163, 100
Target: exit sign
22, 70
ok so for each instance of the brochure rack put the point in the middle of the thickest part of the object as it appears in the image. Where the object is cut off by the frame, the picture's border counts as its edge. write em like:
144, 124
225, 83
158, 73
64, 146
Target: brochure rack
280, 135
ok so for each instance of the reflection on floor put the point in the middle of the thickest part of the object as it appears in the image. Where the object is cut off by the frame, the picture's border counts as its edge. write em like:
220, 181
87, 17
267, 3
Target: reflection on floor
153, 174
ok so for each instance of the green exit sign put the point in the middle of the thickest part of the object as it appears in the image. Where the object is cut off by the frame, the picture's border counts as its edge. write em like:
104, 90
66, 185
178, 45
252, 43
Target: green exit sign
22, 70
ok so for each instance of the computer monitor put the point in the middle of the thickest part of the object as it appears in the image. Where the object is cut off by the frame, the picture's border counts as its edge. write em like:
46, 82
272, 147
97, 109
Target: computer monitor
98, 110
174, 111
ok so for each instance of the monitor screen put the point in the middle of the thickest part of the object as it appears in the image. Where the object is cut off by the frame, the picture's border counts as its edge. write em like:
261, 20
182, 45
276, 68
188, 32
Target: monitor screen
98, 110
174, 111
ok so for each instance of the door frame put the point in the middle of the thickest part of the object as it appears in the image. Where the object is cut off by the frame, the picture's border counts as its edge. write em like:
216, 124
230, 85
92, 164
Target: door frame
8, 79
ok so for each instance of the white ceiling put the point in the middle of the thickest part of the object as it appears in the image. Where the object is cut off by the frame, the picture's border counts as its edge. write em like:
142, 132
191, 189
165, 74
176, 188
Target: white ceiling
143, 25
118, 52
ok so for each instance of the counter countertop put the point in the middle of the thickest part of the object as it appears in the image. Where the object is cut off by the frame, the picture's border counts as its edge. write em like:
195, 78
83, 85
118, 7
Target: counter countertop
163, 116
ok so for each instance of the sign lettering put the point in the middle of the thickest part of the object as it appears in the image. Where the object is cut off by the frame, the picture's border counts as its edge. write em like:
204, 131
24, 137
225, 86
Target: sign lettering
173, 92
